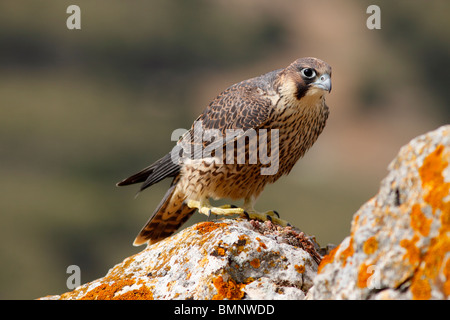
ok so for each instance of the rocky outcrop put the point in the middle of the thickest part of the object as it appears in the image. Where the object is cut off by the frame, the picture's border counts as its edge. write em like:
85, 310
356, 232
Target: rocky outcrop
225, 259
398, 248
399, 245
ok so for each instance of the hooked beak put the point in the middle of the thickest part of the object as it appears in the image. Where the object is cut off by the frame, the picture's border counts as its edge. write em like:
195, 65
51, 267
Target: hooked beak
324, 82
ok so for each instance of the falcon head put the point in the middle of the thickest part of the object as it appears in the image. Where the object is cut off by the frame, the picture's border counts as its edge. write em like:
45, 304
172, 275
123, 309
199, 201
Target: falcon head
306, 77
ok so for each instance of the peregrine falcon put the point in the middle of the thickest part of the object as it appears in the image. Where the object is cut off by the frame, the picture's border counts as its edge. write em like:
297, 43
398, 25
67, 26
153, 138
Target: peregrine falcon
284, 110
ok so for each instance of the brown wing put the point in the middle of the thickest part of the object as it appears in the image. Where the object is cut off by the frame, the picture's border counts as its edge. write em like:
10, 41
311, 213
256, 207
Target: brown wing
241, 106
244, 105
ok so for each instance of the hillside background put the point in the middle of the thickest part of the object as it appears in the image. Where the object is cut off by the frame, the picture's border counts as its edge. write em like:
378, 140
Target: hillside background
80, 110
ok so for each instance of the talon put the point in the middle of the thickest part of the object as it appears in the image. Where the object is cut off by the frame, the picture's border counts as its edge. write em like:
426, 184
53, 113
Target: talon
276, 213
247, 215
233, 206
209, 213
269, 218
288, 224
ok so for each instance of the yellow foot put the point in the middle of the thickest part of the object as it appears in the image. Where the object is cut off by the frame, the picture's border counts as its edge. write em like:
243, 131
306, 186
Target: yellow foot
272, 216
206, 208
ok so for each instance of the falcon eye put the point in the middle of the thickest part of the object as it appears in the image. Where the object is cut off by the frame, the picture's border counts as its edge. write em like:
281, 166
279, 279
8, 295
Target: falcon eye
308, 73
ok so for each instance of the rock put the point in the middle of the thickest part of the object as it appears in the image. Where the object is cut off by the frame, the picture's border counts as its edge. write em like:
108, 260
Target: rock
225, 259
398, 248
399, 245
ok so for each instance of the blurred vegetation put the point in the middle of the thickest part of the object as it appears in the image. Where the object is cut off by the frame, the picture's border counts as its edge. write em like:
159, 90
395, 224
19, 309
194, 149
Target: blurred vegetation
420, 33
80, 110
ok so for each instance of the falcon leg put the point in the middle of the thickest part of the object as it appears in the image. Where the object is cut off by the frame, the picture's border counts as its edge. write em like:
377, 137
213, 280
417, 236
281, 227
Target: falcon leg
206, 208
271, 215
228, 206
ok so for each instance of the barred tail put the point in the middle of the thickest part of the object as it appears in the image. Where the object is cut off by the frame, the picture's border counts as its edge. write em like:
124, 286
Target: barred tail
168, 217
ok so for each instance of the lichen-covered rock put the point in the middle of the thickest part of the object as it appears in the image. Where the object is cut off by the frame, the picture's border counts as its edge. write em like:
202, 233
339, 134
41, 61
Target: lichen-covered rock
399, 246
225, 259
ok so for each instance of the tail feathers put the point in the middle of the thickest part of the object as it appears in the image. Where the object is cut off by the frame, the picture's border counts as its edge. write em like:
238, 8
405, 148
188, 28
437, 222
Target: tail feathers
161, 169
168, 217
141, 176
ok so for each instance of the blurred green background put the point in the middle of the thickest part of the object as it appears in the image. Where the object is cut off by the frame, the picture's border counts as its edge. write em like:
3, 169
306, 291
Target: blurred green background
82, 109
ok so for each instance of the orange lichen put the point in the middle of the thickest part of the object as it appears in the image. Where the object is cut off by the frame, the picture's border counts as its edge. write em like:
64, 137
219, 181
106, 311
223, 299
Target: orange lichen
240, 244
430, 268
445, 218
420, 288
363, 276
446, 285
219, 251
243, 238
370, 245
419, 221
434, 258
412, 252
143, 293
354, 224
255, 263
107, 291
432, 167
248, 280
431, 262
261, 244
299, 268
209, 226
228, 289
347, 252
432, 178
327, 259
